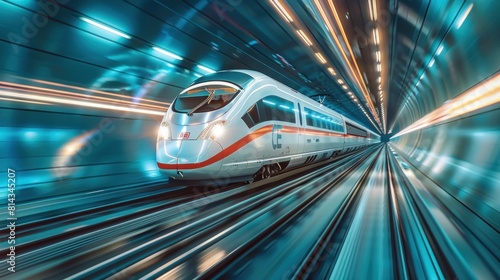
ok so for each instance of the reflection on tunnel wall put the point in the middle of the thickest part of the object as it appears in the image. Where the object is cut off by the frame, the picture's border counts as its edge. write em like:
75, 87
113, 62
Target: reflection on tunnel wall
56, 153
463, 158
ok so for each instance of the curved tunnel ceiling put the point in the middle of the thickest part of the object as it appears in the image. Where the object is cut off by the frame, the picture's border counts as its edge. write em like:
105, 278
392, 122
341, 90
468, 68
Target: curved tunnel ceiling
383, 63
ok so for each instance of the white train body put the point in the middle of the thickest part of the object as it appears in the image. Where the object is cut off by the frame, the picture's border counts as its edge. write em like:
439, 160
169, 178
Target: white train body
241, 124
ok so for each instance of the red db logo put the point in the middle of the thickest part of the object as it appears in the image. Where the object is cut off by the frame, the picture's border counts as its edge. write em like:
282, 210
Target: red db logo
184, 135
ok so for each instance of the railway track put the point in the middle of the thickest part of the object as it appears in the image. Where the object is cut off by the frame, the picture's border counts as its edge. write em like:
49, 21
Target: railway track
88, 232
171, 249
364, 215
237, 258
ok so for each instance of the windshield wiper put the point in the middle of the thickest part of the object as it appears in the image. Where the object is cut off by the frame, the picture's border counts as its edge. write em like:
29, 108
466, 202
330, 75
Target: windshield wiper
209, 98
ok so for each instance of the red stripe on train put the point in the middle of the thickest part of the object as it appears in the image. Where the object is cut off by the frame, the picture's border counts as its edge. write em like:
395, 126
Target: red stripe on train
245, 140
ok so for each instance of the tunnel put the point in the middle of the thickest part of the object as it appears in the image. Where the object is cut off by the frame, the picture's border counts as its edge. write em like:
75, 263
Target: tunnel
398, 98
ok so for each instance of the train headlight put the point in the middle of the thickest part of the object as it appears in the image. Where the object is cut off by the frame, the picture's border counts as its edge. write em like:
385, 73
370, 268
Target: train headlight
164, 132
213, 132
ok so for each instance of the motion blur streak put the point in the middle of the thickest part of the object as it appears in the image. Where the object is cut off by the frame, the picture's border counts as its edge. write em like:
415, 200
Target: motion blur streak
24, 101
109, 29
482, 95
78, 103
61, 93
361, 85
92, 90
357, 75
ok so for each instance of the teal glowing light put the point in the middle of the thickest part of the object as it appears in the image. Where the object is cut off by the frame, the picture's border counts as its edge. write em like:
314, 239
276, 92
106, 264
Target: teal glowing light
107, 28
268, 102
206, 69
167, 53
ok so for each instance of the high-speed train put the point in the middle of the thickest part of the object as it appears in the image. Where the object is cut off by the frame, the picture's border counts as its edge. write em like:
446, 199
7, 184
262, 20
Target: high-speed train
243, 125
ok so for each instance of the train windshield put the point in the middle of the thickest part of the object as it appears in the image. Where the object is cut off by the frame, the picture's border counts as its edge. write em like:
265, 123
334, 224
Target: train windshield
205, 97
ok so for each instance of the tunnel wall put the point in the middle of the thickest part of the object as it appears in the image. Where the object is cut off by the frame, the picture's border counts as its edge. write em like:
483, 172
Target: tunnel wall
57, 153
462, 157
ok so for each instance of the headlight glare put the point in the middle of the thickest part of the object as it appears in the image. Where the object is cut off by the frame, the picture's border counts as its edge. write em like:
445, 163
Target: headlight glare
164, 132
213, 132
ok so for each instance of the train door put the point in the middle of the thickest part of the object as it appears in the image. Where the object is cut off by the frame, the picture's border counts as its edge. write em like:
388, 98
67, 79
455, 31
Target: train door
344, 142
285, 133
301, 136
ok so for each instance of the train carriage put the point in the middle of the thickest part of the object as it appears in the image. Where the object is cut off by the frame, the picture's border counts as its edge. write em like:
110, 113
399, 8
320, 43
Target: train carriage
243, 125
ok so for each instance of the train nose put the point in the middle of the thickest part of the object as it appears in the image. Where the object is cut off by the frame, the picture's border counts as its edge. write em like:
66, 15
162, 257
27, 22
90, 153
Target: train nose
189, 159
166, 154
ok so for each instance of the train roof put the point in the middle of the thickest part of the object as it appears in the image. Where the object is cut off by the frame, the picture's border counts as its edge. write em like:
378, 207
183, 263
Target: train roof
239, 77
243, 77
254, 74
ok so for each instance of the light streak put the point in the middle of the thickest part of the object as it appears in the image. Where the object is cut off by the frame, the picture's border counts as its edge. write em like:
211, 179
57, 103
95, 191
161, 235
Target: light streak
304, 37
41, 98
482, 95
281, 10
355, 74
80, 89
107, 28
464, 15
68, 94
206, 69
320, 57
167, 53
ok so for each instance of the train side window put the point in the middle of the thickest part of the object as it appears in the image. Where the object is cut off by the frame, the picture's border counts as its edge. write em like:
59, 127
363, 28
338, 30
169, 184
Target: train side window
309, 120
354, 130
248, 121
251, 117
268, 109
319, 120
278, 109
289, 112
254, 114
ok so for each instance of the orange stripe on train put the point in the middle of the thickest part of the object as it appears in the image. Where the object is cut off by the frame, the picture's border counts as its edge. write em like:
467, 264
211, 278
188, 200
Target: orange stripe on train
245, 140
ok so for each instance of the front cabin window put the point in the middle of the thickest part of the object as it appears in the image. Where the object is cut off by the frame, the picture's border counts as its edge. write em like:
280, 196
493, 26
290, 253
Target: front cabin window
205, 98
